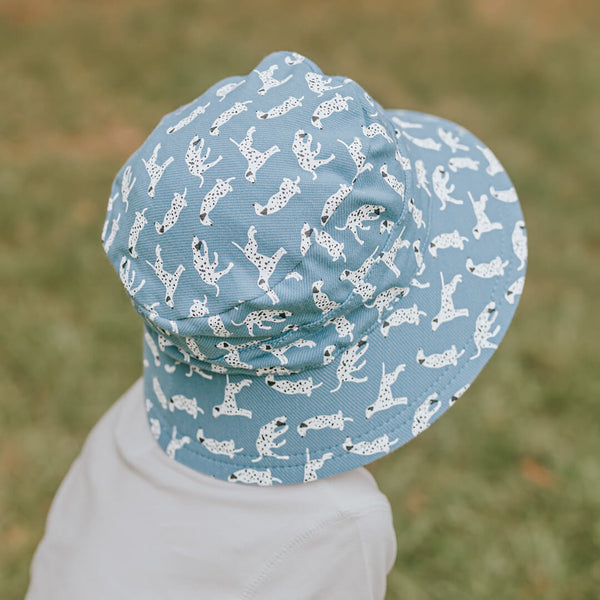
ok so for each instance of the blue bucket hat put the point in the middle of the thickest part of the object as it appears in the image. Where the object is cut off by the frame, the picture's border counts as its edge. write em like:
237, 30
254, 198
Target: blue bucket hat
320, 279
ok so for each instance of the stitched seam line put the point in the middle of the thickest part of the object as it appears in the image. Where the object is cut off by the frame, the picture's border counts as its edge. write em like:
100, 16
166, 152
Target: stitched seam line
253, 587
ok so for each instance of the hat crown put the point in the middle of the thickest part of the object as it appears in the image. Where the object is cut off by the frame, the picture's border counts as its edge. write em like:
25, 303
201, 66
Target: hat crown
257, 216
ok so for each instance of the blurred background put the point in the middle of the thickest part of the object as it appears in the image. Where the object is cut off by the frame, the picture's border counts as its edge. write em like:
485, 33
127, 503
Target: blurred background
499, 500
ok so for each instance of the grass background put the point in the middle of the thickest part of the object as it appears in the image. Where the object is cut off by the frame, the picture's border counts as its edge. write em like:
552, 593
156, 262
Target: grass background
503, 499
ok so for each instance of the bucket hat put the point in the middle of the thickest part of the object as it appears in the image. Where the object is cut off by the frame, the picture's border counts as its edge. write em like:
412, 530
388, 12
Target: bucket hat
320, 279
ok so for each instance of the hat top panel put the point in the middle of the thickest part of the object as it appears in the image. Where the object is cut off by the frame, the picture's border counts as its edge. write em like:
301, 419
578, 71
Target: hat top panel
283, 172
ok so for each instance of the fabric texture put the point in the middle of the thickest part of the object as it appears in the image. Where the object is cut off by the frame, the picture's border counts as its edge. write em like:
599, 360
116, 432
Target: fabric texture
320, 278
129, 522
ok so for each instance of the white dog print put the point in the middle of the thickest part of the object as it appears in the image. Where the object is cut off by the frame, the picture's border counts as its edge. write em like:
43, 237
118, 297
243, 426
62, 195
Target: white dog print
255, 158
385, 398
205, 268
338, 103
307, 158
482, 334
265, 264
154, 170
237, 109
424, 413
265, 443
199, 110
196, 162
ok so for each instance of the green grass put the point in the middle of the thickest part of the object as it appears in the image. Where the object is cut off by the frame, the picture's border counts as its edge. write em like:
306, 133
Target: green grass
501, 499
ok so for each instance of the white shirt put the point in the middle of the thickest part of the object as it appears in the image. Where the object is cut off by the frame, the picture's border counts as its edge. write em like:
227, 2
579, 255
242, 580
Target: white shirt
128, 522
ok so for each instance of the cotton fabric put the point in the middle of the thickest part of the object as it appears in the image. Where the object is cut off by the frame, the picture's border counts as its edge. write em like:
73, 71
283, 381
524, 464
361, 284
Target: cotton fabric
320, 278
130, 522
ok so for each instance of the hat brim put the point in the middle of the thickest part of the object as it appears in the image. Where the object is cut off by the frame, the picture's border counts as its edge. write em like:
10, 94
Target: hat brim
419, 357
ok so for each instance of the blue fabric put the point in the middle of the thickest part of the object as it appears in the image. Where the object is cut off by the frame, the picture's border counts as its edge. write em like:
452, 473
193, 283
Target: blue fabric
320, 278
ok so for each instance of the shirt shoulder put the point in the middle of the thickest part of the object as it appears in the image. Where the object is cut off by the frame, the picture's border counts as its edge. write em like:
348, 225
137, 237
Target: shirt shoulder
345, 556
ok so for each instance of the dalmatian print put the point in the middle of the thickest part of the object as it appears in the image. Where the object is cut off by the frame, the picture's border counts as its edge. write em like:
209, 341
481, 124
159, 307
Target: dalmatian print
515, 289
365, 448
226, 89
441, 188
215, 322
196, 162
384, 300
462, 162
199, 110
176, 443
494, 268
307, 158
452, 141
422, 181
376, 129
416, 213
229, 405
265, 264
343, 327
254, 477
226, 447
199, 308
305, 241
155, 171
321, 299
188, 405
388, 257
203, 265
113, 233
294, 59
268, 81
169, 280
484, 225
338, 103
519, 242
237, 109
447, 311
319, 84
509, 195
258, 317
443, 359
424, 414
218, 191
426, 143
280, 352
126, 186
348, 365
482, 334
126, 280
285, 386
360, 159
385, 398
136, 229
391, 180
357, 277
287, 190
447, 240
400, 316
334, 248
334, 421
494, 167
177, 205
334, 201
315, 262
313, 465
265, 443
255, 158
281, 109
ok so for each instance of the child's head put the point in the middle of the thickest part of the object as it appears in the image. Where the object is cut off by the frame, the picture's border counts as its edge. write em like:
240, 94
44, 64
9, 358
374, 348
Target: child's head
320, 278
